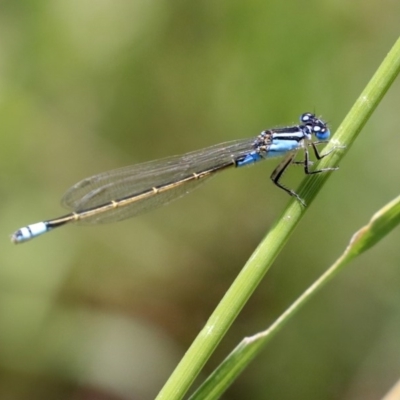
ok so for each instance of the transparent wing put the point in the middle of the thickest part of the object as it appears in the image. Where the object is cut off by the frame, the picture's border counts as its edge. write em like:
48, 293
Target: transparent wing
135, 179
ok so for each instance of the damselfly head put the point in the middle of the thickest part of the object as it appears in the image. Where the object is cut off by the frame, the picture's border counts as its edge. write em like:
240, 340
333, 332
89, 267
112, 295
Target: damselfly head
321, 130
315, 125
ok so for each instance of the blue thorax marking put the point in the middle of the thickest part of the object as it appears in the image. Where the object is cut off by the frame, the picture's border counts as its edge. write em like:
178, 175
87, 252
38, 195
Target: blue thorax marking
275, 143
278, 142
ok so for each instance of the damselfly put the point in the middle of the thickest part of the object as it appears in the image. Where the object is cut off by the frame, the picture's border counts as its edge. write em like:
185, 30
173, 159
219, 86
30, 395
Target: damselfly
130, 191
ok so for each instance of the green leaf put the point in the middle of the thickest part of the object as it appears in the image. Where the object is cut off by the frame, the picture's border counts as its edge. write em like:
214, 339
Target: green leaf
379, 226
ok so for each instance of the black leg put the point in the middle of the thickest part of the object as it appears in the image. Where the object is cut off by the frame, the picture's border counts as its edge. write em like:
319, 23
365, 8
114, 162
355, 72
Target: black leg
317, 153
284, 165
279, 171
306, 161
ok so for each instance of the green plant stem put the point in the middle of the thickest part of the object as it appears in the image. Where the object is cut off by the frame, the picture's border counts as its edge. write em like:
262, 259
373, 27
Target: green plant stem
261, 260
380, 225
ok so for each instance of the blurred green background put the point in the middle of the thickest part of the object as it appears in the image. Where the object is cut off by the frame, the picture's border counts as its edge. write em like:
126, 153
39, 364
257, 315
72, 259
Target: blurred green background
107, 312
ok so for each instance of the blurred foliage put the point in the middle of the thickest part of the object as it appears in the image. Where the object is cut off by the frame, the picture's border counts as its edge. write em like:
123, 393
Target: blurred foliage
106, 312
